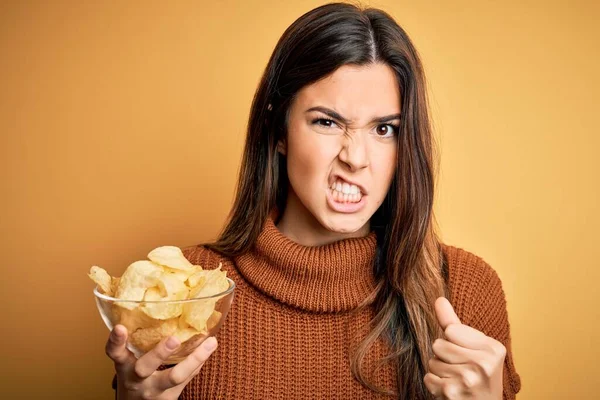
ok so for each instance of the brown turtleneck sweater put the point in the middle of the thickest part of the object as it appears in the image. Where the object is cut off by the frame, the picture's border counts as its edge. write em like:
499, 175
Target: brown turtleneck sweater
287, 335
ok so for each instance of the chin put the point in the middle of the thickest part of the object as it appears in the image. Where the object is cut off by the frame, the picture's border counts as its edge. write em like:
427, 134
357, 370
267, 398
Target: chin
349, 223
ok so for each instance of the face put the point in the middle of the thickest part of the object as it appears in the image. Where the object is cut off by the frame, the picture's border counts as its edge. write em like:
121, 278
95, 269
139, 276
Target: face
341, 149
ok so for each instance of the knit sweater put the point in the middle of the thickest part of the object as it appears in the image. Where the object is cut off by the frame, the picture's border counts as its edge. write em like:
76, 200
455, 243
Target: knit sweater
290, 328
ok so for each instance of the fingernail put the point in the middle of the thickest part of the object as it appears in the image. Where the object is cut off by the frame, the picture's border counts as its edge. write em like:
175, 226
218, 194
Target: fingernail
172, 343
211, 343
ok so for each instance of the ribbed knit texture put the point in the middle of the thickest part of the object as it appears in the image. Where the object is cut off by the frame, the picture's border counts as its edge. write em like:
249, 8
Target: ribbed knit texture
331, 278
289, 330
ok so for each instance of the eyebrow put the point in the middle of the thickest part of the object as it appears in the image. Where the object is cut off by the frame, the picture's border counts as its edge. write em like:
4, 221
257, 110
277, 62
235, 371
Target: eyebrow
335, 115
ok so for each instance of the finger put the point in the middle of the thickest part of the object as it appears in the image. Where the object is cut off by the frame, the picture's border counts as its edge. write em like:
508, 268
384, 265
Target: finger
451, 353
433, 383
187, 368
445, 313
467, 337
178, 387
116, 348
444, 370
149, 362
176, 390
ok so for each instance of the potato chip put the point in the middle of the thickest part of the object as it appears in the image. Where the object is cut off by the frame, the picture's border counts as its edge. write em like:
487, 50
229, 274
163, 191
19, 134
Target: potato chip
146, 338
169, 288
138, 277
215, 283
213, 320
160, 311
114, 284
185, 334
102, 279
197, 313
182, 324
172, 288
170, 256
133, 319
180, 274
196, 279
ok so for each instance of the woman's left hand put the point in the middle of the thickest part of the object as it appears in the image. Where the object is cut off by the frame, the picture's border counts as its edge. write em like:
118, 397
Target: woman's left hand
467, 364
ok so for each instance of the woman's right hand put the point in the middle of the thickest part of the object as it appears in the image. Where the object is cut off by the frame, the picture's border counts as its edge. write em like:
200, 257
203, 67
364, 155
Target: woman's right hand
139, 378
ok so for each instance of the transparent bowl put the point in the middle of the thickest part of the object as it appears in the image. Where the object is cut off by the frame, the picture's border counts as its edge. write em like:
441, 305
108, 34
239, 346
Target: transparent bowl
144, 332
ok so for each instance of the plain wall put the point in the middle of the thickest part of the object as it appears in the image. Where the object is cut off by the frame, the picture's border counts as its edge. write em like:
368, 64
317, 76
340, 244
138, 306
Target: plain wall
122, 126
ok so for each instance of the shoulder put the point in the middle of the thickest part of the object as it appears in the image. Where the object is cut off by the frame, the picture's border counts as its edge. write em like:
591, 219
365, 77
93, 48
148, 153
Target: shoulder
467, 268
474, 287
205, 257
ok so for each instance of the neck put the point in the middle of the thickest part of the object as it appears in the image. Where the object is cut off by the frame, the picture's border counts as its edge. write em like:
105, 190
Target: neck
300, 225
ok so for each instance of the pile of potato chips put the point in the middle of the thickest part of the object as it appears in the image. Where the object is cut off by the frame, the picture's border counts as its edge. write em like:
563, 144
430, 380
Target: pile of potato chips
168, 275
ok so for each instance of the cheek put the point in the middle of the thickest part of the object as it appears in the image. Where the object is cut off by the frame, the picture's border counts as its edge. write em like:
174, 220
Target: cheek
384, 166
309, 157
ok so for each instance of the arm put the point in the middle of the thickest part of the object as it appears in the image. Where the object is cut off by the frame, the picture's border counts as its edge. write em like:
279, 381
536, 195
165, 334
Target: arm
492, 319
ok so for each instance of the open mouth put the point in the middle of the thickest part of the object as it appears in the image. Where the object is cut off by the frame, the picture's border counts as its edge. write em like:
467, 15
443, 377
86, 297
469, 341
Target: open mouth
344, 192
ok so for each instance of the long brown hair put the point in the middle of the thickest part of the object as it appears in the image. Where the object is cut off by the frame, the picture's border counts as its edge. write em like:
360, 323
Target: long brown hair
409, 263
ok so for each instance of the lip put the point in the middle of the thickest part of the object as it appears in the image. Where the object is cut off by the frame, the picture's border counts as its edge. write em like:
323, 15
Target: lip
361, 187
346, 208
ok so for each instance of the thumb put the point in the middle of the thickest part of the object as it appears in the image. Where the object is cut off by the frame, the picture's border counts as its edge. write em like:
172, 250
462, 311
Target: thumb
116, 347
445, 313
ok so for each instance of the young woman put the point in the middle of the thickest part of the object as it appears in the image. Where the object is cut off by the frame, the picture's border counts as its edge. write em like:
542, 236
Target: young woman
343, 288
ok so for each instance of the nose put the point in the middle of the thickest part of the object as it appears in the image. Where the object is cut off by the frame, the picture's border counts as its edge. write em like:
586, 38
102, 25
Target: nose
354, 152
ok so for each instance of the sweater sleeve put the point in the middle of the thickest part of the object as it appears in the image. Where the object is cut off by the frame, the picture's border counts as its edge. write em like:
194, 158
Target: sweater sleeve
492, 320
479, 300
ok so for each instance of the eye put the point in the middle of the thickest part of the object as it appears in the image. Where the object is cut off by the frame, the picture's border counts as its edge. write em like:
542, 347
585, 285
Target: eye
326, 122
390, 129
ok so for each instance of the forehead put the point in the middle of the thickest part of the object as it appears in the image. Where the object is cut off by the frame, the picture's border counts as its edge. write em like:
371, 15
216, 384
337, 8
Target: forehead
356, 92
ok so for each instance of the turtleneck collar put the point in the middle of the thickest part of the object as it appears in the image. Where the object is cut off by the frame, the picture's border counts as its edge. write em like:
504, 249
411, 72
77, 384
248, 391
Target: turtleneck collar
333, 277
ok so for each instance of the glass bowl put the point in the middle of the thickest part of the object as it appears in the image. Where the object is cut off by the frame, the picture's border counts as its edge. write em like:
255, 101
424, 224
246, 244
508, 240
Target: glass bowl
144, 332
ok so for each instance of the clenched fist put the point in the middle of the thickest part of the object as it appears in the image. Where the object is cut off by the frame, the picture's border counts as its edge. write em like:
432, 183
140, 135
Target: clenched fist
467, 364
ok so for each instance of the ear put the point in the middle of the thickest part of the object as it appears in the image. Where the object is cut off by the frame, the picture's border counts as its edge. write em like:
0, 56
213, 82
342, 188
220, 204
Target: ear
282, 147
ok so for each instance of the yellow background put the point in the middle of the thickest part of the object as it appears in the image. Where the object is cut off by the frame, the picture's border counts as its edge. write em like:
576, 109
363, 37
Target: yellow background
122, 126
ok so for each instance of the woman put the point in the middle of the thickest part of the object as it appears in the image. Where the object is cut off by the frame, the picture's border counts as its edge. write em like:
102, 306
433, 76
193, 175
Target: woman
342, 283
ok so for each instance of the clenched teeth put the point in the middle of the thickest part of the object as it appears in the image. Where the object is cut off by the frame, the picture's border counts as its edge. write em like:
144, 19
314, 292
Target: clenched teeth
344, 192
345, 187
